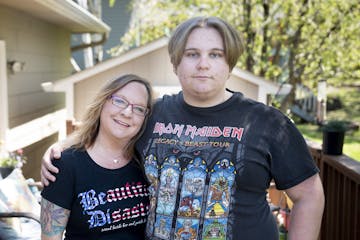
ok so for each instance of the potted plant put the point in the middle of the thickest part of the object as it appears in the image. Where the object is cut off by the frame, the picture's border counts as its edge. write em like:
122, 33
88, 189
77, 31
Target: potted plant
333, 136
11, 160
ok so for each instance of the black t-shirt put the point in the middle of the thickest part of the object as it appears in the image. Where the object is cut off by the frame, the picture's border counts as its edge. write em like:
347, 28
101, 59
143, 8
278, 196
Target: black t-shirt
104, 203
210, 168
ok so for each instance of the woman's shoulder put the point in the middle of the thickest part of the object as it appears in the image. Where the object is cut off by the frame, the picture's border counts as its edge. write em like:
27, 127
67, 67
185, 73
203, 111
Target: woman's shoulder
71, 151
71, 156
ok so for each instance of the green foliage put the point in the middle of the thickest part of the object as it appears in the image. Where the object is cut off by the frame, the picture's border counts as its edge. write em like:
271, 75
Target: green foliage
336, 126
7, 162
13, 159
286, 41
351, 145
350, 100
112, 3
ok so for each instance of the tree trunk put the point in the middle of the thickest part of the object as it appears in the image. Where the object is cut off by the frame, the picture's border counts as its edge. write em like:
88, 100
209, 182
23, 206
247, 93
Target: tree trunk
294, 74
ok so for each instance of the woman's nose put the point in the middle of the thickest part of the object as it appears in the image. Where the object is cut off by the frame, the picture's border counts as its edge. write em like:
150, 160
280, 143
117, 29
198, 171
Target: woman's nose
127, 111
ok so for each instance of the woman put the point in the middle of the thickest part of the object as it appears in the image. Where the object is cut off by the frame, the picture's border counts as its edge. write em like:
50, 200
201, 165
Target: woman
101, 191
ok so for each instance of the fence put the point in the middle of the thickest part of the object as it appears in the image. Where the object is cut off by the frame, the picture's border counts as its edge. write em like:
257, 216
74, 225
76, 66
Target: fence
341, 180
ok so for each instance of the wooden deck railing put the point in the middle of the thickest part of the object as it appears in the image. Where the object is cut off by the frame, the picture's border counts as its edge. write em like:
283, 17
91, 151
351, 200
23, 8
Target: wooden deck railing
341, 180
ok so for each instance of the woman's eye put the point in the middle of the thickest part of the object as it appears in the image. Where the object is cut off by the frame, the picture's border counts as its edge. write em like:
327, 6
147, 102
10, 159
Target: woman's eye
139, 109
121, 101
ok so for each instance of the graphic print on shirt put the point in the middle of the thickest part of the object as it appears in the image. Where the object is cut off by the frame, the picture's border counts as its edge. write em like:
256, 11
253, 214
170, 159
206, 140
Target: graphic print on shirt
186, 229
169, 179
191, 198
218, 202
203, 167
101, 211
152, 175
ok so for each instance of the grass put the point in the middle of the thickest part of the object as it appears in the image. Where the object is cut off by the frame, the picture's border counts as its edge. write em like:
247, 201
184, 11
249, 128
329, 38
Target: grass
351, 143
350, 110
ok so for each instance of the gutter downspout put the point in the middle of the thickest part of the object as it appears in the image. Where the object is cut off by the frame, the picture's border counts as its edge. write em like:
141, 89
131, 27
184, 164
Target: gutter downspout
4, 108
92, 44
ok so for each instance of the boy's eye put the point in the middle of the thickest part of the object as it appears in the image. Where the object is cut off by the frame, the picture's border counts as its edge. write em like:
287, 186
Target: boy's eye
191, 54
216, 55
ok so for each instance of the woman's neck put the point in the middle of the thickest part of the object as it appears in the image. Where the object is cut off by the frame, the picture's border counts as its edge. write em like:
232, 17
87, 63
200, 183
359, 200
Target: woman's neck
108, 154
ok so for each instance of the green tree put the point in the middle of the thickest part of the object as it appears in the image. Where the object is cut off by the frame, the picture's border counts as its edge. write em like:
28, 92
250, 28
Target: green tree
292, 41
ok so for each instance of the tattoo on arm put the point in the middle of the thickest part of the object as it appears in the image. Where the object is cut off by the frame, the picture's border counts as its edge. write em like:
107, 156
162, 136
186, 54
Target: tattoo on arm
53, 219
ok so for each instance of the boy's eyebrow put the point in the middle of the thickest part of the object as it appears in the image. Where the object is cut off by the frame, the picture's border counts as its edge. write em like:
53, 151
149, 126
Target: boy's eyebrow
213, 49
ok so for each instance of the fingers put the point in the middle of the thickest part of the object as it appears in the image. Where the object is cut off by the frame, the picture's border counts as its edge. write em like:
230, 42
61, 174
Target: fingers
46, 160
46, 176
55, 151
47, 168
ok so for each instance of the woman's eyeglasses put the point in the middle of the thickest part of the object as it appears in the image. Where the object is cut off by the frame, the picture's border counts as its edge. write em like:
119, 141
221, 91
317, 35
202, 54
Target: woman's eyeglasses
123, 104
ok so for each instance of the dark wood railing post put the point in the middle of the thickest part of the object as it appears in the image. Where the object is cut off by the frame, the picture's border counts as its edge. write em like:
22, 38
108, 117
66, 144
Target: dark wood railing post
341, 180
71, 126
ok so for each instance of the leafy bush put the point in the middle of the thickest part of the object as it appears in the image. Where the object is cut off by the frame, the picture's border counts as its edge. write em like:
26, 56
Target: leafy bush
13, 159
336, 126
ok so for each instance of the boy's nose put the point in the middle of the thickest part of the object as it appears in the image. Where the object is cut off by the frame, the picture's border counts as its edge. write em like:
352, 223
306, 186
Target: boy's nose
203, 63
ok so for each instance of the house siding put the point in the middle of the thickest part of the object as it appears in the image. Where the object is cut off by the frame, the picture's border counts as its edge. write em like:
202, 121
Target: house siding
154, 66
34, 153
249, 90
45, 50
118, 18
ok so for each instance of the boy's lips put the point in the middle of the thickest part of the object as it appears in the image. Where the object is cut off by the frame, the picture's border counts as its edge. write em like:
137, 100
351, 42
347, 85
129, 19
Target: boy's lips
202, 77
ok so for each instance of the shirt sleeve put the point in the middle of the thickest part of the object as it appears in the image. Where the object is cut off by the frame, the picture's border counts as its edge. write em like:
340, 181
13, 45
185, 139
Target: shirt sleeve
61, 191
291, 161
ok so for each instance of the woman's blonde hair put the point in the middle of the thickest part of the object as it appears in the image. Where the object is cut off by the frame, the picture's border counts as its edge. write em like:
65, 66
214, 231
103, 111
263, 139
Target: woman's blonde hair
85, 136
233, 42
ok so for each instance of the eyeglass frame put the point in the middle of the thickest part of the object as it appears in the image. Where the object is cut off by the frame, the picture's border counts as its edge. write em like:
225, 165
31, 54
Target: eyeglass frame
114, 97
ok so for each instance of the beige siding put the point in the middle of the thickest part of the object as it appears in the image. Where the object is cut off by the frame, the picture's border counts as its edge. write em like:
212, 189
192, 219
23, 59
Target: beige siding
154, 66
3, 92
249, 89
45, 50
34, 154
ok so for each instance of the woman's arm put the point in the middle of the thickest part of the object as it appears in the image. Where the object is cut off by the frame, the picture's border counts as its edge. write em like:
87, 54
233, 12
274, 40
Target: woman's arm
53, 220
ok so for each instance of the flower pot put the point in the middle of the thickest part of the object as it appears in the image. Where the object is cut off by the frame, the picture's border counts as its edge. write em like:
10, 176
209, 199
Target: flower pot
5, 171
333, 142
